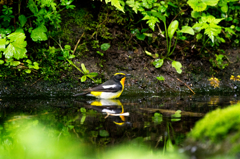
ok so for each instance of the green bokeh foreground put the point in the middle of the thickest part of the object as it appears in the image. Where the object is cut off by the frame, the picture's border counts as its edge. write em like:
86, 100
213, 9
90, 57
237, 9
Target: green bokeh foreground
27, 138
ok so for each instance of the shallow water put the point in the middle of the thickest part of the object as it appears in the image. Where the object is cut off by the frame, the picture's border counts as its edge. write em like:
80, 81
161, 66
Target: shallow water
160, 122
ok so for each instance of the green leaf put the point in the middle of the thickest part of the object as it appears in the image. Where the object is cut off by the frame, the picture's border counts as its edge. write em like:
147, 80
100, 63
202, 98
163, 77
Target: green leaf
28, 71
103, 133
71, 56
177, 65
22, 20
67, 47
116, 3
176, 115
199, 36
1, 62
160, 16
100, 53
140, 36
212, 31
229, 30
151, 21
83, 78
84, 68
158, 63
210, 2
83, 110
33, 7
135, 31
105, 46
198, 6
237, 28
35, 65
195, 14
134, 5
15, 63
28, 61
2, 44
83, 119
224, 8
38, 34
157, 118
92, 74
172, 28
16, 49
148, 53
187, 29
160, 78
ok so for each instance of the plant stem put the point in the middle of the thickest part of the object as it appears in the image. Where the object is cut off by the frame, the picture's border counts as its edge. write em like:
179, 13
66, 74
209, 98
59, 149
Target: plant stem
173, 47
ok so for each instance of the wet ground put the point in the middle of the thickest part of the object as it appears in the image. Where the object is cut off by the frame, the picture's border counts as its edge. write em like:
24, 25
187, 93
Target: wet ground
161, 122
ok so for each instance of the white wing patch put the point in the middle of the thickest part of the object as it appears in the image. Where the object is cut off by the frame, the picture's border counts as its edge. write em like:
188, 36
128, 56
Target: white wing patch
109, 86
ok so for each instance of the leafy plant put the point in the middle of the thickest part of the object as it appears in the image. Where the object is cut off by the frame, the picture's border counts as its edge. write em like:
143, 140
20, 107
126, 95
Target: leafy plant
219, 62
104, 47
7, 16
141, 35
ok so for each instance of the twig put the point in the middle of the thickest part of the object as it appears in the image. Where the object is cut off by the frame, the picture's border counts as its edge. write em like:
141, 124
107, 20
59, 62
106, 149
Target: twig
186, 85
178, 14
183, 113
77, 44
183, 83
36, 81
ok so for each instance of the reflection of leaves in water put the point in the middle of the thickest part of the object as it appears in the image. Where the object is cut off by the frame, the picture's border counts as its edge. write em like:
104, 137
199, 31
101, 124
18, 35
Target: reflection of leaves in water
214, 82
103, 133
176, 115
157, 118
213, 101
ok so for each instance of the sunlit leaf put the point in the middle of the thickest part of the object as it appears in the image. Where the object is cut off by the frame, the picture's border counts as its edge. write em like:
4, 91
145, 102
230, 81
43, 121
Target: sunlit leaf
116, 3
1, 62
22, 20
2, 44
105, 46
28, 71
195, 14
148, 53
134, 5
15, 63
92, 74
198, 6
39, 33
177, 65
210, 2
71, 56
84, 68
160, 78
83, 78
172, 28
158, 63
187, 29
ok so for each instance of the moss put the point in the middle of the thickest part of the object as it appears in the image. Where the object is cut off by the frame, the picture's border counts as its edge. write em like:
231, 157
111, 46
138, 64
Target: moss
217, 124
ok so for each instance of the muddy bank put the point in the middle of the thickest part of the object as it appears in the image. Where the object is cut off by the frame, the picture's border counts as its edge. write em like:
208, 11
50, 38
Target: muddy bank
195, 75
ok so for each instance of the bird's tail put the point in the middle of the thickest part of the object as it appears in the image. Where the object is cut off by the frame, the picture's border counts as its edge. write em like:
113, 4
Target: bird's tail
80, 94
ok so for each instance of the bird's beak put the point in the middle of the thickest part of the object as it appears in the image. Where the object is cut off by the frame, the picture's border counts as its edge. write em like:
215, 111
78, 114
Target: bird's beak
128, 75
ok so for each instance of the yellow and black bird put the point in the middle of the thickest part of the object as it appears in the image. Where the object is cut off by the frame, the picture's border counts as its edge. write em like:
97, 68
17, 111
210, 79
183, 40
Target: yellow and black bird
110, 89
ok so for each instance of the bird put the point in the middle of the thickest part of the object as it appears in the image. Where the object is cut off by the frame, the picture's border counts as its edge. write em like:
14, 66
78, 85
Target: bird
110, 89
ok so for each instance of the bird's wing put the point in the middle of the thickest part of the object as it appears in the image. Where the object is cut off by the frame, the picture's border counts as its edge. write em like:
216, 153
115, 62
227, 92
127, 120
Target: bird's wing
108, 86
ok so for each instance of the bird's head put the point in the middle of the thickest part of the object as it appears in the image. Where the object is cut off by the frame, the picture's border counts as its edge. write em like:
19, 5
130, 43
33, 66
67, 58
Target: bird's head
120, 77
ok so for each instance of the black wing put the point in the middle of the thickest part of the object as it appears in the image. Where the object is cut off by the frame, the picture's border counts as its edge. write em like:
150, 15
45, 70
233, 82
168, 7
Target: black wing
108, 86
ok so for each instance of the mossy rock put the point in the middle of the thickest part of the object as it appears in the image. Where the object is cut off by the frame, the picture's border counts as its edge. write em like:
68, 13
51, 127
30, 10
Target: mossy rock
217, 124
218, 131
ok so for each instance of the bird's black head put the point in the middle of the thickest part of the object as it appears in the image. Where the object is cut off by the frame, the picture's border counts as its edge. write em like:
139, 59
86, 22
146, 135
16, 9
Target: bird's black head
119, 76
